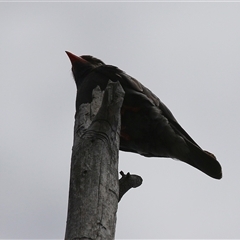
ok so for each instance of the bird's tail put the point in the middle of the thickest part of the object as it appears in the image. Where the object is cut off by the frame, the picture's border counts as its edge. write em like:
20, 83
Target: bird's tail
203, 160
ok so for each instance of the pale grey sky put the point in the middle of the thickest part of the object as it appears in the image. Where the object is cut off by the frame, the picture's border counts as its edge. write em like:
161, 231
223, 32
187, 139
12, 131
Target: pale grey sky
188, 54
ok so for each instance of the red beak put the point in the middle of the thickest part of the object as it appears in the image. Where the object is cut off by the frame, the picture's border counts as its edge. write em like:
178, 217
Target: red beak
73, 58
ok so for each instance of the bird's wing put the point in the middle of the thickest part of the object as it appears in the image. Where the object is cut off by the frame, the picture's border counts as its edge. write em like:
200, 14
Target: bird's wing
115, 74
175, 125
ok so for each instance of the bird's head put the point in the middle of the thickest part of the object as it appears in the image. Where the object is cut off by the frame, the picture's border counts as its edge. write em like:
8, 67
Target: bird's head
82, 65
94, 61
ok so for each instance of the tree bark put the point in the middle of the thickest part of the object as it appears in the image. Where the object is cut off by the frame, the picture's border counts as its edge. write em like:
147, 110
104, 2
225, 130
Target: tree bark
94, 186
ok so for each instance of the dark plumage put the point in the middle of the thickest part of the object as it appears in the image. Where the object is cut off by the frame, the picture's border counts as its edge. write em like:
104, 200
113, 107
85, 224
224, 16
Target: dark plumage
147, 125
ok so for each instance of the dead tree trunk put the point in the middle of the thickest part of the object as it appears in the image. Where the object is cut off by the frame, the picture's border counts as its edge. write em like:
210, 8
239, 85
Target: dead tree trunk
94, 186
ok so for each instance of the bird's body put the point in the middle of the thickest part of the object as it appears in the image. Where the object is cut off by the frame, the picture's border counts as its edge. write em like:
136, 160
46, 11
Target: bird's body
147, 126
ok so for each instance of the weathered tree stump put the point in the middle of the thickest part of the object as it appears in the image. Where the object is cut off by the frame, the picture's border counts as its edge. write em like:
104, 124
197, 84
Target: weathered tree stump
94, 186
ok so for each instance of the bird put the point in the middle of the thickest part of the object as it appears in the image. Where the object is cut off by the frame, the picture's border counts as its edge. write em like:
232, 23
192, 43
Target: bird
148, 127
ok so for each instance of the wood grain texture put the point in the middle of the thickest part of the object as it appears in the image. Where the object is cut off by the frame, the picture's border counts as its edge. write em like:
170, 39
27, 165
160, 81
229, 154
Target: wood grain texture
94, 186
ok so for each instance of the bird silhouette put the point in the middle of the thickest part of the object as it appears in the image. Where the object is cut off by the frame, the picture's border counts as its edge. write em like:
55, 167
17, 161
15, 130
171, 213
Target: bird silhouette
147, 126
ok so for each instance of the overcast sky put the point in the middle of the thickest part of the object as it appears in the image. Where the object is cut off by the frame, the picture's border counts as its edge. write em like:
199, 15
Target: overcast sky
188, 54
